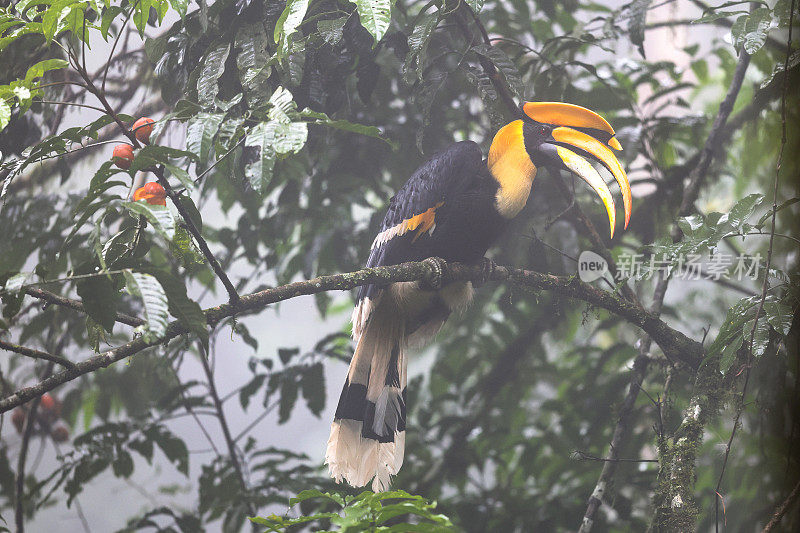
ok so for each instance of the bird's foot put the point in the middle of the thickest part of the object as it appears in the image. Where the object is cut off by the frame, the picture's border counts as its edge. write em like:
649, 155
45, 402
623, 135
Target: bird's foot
487, 269
434, 279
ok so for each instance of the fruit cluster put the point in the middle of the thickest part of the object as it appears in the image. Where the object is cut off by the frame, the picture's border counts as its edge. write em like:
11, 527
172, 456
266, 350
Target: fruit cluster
152, 193
47, 419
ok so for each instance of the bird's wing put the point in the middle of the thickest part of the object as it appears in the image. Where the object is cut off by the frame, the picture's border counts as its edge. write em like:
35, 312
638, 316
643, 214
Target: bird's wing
412, 215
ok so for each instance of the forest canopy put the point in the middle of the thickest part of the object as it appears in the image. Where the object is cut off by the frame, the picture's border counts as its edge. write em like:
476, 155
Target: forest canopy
188, 196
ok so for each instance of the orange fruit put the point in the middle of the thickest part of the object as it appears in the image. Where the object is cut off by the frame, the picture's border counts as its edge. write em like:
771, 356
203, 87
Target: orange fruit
152, 193
123, 156
142, 128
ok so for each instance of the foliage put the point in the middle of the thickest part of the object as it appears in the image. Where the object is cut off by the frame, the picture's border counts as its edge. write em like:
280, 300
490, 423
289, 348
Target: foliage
366, 512
282, 131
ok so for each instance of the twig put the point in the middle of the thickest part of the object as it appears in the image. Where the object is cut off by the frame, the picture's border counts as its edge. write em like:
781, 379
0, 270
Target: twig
74, 104
787, 504
620, 432
226, 432
114, 46
672, 342
462, 14
233, 295
36, 354
700, 171
55, 299
19, 482
765, 284
218, 161
583, 456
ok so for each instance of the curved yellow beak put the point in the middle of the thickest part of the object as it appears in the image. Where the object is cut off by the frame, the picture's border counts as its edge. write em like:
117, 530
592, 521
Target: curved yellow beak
576, 132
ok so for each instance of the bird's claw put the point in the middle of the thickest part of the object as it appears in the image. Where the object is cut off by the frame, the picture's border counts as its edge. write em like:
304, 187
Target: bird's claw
487, 269
434, 279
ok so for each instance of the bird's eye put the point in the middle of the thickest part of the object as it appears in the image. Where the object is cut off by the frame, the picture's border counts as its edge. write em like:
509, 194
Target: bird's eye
542, 130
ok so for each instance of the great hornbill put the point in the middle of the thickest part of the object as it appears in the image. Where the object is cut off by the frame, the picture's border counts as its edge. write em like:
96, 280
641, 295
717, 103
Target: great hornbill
453, 207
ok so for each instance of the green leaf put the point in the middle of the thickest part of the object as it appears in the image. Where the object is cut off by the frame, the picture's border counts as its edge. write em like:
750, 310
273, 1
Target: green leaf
344, 125
259, 172
331, 30
180, 6
423, 99
779, 316
38, 69
314, 493
312, 385
156, 306
288, 399
187, 311
99, 295
637, 22
375, 16
272, 138
172, 446
181, 175
711, 17
475, 5
5, 114
282, 104
200, 134
253, 61
414, 64
213, 68
504, 65
252, 387
287, 24
756, 29
738, 31
158, 215
141, 15
55, 14
154, 155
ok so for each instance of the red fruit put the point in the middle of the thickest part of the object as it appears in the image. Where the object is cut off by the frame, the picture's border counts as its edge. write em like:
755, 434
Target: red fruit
60, 434
142, 128
123, 156
47, 402
18, 419
50, 408
152, 193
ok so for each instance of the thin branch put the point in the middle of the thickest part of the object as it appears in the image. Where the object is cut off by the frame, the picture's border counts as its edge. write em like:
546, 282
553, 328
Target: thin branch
218, 161
673, 343
36, 354
583, 456
55, 299
620, 432
114, 46
226, 432
74, 104
787, 504
19, 482
462, 15
233, 295
765, 284
699, 171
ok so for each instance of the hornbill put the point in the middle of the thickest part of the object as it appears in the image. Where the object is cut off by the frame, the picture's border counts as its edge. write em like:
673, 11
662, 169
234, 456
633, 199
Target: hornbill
453, 207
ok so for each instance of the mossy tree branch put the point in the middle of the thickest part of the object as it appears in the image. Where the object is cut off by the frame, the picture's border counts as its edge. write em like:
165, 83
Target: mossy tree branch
433, 273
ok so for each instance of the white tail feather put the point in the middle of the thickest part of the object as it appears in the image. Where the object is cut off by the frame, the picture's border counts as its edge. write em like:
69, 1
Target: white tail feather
349, 456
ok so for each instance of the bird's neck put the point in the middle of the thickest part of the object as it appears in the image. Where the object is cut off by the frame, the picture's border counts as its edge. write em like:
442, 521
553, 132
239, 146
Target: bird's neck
512, 168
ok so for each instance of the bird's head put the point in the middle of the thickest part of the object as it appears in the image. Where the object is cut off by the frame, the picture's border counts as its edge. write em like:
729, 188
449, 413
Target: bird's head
561, 136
